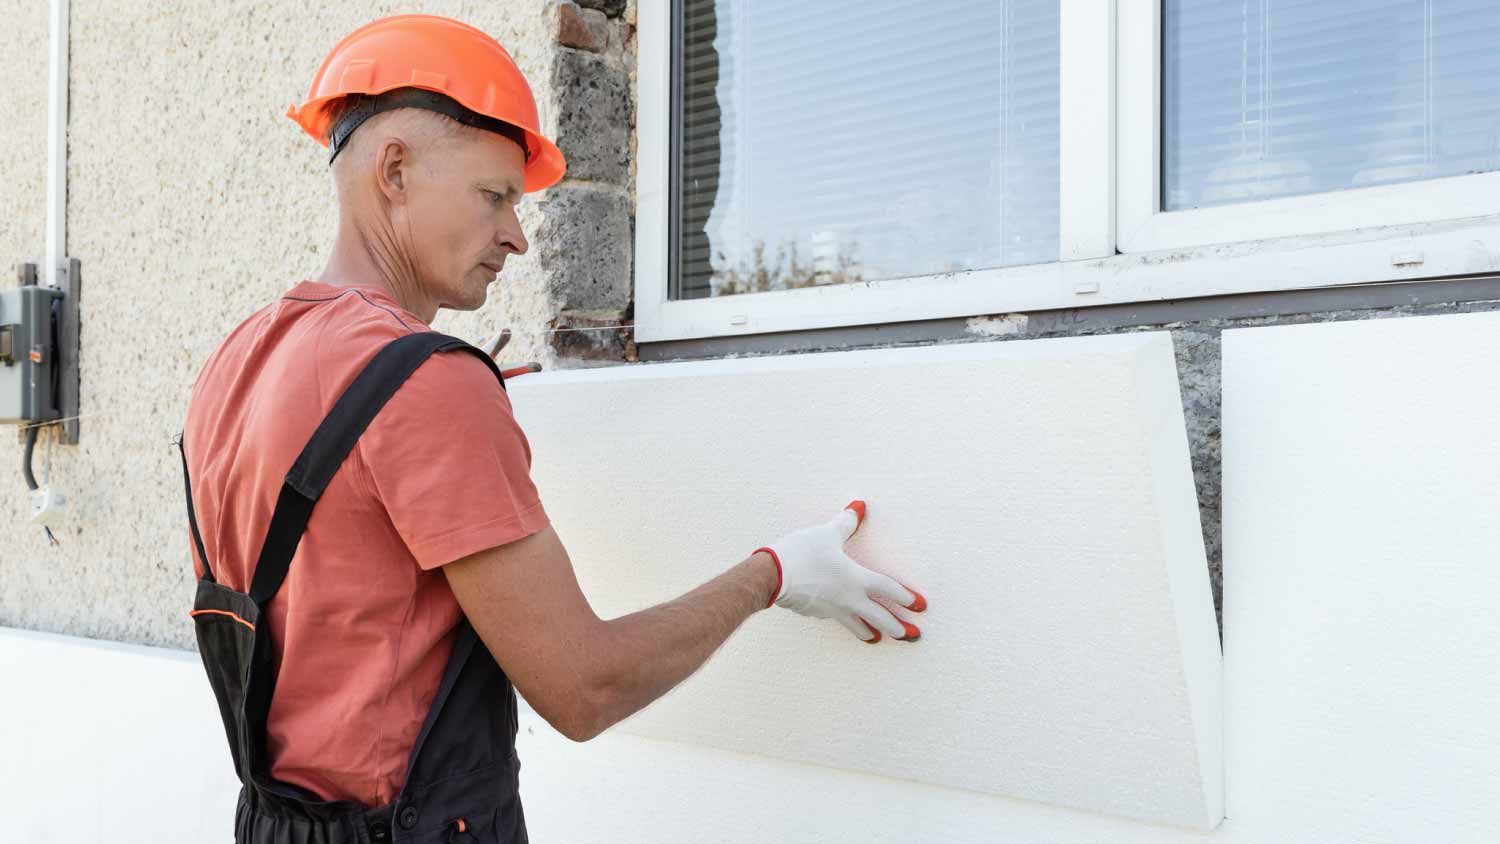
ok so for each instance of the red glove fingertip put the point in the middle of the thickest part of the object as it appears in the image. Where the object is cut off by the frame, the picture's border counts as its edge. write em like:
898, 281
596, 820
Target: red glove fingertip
920, 604
859, 510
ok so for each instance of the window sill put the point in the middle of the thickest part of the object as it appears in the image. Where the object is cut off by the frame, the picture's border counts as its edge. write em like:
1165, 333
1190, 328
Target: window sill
1370, 256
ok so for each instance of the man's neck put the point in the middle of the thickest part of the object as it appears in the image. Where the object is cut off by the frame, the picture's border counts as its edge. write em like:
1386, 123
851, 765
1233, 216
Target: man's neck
357, 259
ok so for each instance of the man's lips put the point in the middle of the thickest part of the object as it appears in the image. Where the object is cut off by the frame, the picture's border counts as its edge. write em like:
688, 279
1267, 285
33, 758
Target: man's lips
494, 268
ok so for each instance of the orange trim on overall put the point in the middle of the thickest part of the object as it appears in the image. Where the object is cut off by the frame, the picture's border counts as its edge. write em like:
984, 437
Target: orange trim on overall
196, 613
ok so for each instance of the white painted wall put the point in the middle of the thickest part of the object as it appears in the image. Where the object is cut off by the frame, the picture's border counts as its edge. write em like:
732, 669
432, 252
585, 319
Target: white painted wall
1361, 578
1039, 493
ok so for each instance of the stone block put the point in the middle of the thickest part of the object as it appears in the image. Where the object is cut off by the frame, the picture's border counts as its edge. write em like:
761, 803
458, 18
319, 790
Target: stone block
584, 246
613, 8
585, 29
593, 116
593, 335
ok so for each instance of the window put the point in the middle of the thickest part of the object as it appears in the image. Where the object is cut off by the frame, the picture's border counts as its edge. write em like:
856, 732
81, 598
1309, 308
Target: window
1264, 100
1285, 118
908, 146
809, 165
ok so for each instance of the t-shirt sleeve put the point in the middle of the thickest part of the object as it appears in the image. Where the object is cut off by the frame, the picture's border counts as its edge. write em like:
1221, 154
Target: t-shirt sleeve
450, 464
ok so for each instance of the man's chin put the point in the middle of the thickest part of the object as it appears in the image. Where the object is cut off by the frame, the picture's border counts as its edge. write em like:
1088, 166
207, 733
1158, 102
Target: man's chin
470, 301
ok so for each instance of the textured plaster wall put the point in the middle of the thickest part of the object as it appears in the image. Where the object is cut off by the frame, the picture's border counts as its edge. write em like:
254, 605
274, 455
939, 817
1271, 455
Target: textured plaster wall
192, 202
23, 137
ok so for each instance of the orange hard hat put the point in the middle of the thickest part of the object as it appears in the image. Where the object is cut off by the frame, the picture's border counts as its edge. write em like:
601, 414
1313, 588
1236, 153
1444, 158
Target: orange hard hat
410, 54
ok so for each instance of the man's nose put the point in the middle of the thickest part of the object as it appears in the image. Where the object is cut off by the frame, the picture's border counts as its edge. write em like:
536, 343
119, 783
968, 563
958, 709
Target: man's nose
511, 238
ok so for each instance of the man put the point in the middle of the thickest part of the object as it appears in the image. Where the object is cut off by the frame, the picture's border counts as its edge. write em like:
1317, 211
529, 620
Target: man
363, 653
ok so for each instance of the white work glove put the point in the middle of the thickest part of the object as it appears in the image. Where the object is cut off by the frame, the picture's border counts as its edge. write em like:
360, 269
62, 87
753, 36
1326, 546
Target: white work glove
819, 580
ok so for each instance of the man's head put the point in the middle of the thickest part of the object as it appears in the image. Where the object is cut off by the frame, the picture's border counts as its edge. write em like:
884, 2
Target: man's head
428, 118
433, 202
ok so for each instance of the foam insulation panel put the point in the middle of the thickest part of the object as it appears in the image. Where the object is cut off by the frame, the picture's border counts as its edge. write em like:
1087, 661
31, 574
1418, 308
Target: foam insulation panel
648, 791
102, 741
1038, 492
1361, 533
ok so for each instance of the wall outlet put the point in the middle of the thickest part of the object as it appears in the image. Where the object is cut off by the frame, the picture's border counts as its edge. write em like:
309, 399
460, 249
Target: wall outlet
48, 507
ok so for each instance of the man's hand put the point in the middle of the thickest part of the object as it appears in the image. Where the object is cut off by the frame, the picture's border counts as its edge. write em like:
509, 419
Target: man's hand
819, 580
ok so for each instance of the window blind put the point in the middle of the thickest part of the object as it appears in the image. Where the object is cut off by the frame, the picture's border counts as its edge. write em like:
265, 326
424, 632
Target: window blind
835, 142
1269, 98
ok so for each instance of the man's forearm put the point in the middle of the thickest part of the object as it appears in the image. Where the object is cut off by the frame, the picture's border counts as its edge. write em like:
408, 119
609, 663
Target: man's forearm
647, 653
583, 674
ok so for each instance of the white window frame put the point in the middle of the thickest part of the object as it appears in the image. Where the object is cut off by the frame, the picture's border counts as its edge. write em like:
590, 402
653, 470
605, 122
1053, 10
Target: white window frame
1109, 196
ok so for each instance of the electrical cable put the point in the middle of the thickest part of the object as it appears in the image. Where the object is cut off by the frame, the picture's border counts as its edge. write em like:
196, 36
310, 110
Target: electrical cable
31, 433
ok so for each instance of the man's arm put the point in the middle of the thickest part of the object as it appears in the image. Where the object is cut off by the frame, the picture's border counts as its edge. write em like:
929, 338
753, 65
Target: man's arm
584, 674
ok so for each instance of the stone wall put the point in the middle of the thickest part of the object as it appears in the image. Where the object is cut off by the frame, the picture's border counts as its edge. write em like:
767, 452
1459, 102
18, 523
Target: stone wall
586, 241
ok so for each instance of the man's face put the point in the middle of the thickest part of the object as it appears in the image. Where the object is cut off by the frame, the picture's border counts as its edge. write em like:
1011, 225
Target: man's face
462, 210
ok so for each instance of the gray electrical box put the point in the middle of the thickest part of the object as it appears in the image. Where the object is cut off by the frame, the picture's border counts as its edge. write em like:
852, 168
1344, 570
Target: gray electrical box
31, 380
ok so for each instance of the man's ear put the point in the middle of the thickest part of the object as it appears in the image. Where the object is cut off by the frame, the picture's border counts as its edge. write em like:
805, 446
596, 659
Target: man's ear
391, 161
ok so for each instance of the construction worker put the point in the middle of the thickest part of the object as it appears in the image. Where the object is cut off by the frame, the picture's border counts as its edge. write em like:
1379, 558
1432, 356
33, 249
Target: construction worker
363, 651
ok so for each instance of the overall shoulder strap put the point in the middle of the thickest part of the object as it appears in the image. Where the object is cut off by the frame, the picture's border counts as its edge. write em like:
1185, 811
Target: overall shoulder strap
331, 443
187, 485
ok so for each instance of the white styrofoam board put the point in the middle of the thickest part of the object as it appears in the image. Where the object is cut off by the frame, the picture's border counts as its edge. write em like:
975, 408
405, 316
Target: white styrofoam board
1361, 536
627, 789
102, 741
1038, 492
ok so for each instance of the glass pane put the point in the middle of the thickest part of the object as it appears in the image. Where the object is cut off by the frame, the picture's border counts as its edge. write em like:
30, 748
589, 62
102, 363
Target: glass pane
1268, 98
840, 141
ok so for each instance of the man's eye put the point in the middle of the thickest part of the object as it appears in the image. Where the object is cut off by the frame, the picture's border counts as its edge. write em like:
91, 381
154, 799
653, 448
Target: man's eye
495, 198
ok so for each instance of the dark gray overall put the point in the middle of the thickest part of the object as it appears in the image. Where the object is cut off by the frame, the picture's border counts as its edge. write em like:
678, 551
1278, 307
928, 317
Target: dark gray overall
461, 778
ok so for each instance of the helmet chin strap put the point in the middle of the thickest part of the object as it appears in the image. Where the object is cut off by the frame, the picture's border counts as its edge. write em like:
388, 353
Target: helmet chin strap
362, 107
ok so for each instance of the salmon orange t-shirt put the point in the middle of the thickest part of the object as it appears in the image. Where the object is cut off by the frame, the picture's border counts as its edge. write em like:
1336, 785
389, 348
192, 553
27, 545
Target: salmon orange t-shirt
364, 623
